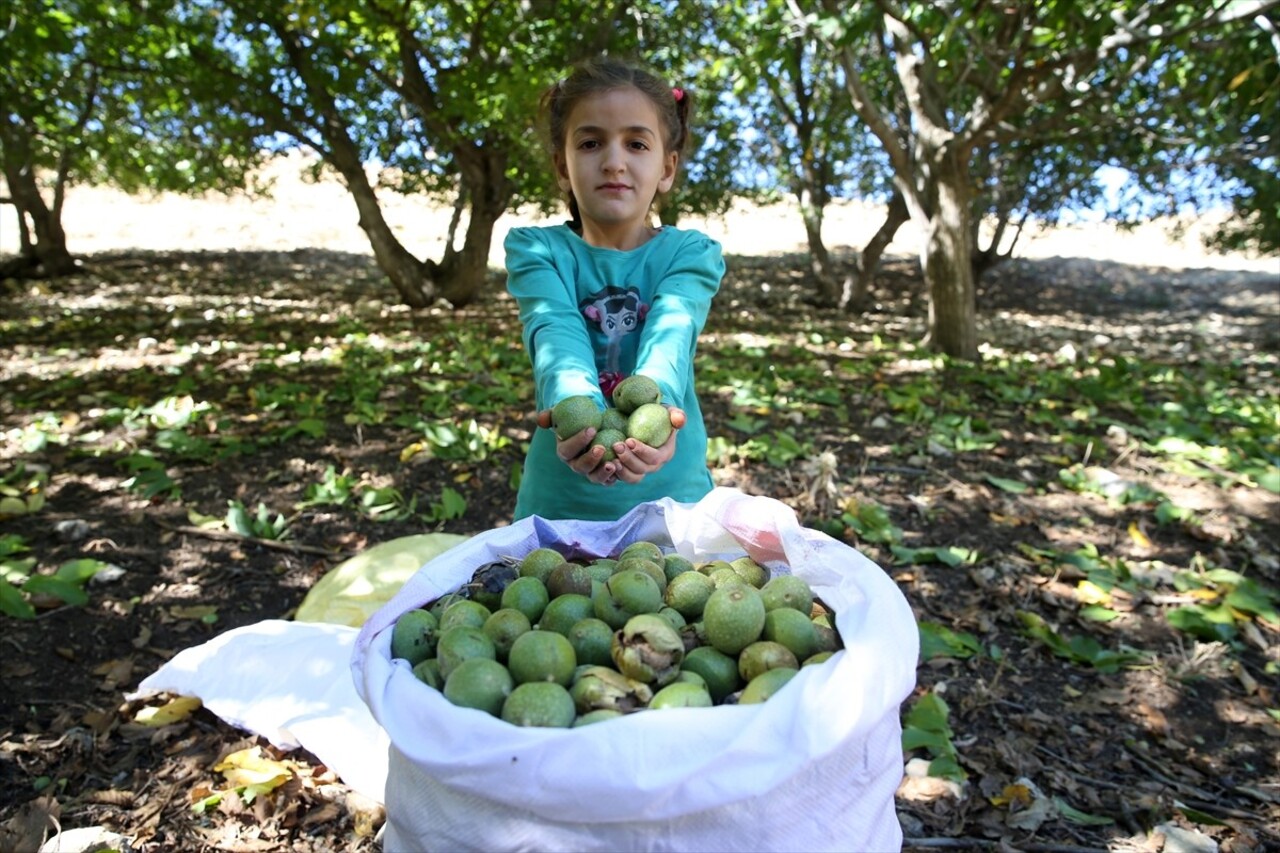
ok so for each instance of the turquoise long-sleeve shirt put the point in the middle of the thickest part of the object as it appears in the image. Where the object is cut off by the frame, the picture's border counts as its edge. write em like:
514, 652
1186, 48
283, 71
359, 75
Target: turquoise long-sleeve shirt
593, 314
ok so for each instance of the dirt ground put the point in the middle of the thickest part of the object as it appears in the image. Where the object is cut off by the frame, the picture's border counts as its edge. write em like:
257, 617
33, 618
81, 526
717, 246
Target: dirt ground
1128, 744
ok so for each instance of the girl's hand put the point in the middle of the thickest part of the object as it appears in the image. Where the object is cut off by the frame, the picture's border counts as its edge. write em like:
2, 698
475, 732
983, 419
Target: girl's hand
576, 452
636, 459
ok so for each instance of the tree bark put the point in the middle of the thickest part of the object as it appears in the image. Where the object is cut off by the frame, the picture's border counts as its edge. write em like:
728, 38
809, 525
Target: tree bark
409, 276
461, 281
946, 261
811, 211
986, 257
930, 169
46, 254
461, 276
857, 286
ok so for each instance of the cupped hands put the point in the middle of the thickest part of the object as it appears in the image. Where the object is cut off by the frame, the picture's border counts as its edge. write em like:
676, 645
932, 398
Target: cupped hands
633, 461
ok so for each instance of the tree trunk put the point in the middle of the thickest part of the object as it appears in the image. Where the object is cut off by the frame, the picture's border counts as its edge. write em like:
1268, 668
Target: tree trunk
946, 261
46, 254
459, 276
811, 211
461, 281
857, 286
409, 276
986, 257
462, 274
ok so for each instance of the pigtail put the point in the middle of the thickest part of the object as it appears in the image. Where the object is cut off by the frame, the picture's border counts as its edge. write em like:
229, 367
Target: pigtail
684, 105
552, 104
575, 221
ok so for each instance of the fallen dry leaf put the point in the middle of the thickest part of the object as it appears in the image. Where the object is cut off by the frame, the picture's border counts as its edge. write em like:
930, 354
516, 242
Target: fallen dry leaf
173, 711
1138, 536
30, 825
249, 768
193, 611
114, 673
919, 786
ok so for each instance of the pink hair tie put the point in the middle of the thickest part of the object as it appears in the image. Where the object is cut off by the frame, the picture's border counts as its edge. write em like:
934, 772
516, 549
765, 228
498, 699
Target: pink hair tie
678, 93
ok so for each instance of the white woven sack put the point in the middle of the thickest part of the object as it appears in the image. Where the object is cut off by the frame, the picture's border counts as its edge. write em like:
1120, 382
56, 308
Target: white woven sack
814, 768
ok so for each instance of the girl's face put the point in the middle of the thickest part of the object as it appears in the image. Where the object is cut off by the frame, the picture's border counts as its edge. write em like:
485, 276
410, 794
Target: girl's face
614, 163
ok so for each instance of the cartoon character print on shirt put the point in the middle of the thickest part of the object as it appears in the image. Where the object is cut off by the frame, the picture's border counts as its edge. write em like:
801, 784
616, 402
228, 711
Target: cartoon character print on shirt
618, 311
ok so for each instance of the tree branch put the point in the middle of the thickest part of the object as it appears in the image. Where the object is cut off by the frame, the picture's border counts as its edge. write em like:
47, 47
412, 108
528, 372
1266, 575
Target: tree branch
274, 544
863, 104
918, 78
64, 157
949, 843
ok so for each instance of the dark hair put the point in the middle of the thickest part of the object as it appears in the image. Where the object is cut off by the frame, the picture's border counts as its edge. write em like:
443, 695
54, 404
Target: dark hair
605, 74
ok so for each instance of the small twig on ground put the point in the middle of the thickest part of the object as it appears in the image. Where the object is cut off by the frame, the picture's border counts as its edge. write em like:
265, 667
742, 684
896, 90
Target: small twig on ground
896, 469
986, 843
45, 614
229, 536
1076, 774
1192, 795
1073, 769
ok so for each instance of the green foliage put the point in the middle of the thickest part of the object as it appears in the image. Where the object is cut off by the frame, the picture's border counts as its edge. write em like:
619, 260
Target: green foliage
257, 525
1230, 599
956, 432
927, 726
1226, 84
1081, 648
190, 96
441, 96
14, 568
1204, 621
1004, 484
22, 491
14, 571
42, 430
1102, 482
870, 522
1102, 572
937, 640
450, 506
470, 441
386, 503
793, 99
87, 103
334, 489
948, 555
150, 478
13, 603
1054, 98
19, 585
174, 412
779, 450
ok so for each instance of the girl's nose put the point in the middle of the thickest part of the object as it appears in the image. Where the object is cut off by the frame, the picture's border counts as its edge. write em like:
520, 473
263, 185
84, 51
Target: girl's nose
614, 160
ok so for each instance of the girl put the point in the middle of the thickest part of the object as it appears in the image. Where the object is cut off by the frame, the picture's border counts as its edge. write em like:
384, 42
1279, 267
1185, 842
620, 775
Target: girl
608, 295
